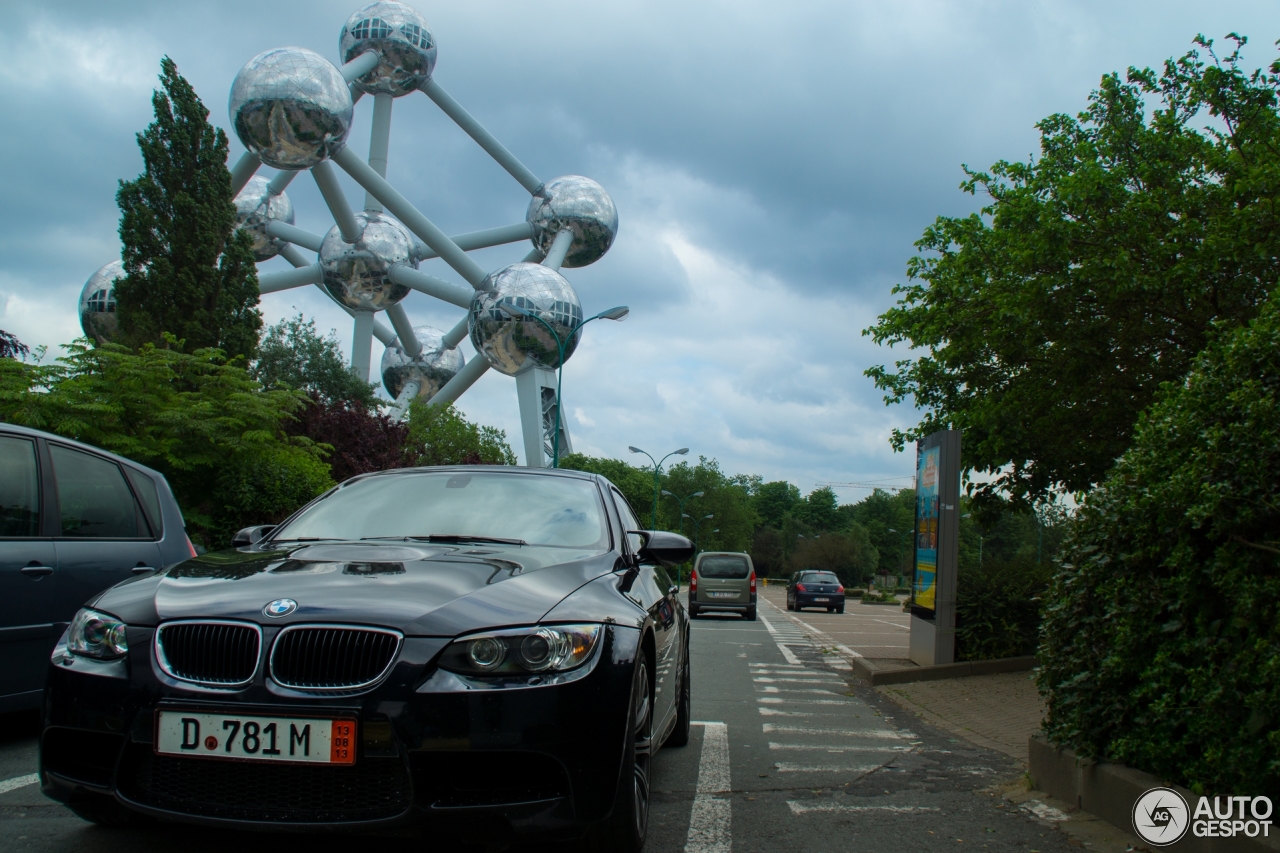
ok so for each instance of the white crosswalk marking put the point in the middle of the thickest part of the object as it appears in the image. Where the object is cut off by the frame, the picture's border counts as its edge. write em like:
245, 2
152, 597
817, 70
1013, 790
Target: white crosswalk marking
798, 808
709, 822
885, 734
18, 782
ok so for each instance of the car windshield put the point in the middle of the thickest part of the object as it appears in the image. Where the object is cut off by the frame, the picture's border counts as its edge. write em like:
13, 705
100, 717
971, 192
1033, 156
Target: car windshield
723, 567
486, 505
819, 577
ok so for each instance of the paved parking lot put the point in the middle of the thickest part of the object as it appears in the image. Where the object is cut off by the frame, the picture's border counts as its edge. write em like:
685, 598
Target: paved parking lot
787, 756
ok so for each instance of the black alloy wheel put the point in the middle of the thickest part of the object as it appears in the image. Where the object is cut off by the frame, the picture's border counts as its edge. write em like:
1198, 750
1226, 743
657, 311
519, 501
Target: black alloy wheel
684, 710
628, 825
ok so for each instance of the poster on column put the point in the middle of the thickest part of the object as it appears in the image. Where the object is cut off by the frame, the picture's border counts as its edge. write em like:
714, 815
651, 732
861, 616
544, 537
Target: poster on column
926, 532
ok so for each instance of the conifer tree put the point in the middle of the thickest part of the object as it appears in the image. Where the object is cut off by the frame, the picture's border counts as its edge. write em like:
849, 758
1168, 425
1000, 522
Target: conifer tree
189, 272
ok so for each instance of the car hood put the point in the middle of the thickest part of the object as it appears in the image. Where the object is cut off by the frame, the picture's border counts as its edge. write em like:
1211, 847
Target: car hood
420, 589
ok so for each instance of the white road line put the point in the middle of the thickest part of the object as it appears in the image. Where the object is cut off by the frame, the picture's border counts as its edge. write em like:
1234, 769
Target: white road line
817, 690
766, 679
806, 808
805, 747
894, 624
885, 734
778, 700
774, 712
709, 820
783, 767
18, 782
773, 632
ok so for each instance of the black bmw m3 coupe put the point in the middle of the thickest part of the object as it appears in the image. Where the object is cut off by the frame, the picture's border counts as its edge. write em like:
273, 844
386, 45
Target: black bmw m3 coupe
495, 652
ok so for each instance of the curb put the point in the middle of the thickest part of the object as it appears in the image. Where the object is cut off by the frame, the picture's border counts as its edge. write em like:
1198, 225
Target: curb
1110, 791
878, 677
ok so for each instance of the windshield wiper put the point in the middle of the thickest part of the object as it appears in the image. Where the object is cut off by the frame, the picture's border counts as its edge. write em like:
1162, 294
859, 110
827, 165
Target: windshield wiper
464, 537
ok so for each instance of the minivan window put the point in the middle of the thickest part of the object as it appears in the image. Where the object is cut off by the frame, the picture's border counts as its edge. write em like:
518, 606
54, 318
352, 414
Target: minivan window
19, 488
93, 499
723, 567
146, 490
820, 577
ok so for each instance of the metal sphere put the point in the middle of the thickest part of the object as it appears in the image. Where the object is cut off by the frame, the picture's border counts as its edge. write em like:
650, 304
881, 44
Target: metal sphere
435, 365
359, 274
255, 207
512, 344
291, 107
581, 205
404, 44
98, 303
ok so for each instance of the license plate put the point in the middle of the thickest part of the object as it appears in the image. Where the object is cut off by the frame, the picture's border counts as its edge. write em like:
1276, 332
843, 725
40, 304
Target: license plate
822, 599
723, 595
251, 738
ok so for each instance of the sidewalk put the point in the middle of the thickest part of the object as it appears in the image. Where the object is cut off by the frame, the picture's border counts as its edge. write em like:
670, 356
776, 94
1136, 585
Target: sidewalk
999, 712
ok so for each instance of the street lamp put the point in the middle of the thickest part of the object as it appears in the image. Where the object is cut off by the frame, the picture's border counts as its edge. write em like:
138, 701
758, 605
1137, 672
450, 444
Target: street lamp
681, 501
657, 482
517, 312
696, 522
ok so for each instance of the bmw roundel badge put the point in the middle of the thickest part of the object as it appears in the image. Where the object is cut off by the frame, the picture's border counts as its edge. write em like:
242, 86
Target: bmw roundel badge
280, 607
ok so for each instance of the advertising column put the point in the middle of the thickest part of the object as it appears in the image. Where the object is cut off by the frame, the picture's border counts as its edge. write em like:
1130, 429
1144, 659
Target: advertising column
936, 549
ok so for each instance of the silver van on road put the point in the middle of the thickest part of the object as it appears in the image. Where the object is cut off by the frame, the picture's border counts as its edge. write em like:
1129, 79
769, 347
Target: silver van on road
723, 582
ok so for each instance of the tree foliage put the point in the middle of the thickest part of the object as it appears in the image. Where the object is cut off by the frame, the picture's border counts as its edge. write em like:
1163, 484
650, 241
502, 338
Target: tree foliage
205, 424
189, 272
440, 435
1050, 319
292, 354
11, 347
361, 440
1161, 644
849, 554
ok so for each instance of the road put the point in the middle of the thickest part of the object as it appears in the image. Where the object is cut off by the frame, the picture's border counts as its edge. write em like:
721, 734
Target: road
787, 757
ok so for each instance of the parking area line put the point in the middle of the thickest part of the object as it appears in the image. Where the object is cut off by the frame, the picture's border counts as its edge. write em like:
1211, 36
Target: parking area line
18, 782
709, 830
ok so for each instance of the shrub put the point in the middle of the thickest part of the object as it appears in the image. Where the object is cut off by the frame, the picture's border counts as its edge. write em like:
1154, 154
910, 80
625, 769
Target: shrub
1161, 643
362, 439
998, 609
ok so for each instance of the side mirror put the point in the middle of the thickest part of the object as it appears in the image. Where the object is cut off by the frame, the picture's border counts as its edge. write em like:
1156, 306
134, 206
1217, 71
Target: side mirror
251, 535
663, 547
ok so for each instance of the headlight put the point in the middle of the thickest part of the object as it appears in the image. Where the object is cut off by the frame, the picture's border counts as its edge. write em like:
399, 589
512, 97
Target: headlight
517, 651
97, 635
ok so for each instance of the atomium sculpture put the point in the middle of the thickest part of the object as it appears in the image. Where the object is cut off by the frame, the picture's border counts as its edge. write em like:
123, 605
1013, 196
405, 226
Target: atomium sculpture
292, 109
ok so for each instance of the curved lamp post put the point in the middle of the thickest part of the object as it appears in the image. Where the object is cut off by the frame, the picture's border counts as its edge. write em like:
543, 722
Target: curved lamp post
514, 311
681, 501
696, 522
657, 482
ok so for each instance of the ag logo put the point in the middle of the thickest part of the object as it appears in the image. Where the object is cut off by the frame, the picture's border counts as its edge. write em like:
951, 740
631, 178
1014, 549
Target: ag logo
1160, 816
280, 607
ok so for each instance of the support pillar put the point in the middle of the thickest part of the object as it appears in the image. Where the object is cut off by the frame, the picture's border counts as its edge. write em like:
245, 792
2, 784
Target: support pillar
536, 391
362, 344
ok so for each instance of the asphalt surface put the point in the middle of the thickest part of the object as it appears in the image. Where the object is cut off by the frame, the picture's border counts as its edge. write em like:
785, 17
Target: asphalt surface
787, 757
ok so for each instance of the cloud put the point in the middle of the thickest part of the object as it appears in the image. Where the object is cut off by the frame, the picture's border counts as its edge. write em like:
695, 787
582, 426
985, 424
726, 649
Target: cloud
772, 167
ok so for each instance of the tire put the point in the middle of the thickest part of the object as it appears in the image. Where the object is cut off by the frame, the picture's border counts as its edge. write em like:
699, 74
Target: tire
790, 605
840, 609
693, 611
627, 826
105, 811
750, 614
684, 710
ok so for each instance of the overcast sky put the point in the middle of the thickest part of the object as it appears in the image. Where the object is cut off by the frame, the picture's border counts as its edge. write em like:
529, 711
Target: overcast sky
772, 165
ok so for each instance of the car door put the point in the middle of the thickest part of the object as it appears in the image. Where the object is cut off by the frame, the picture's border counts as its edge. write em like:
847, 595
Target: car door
103, 533
28, 576
653, 595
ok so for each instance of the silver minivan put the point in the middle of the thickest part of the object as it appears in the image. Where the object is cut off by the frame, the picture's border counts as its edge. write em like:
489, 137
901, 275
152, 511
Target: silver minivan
723, 582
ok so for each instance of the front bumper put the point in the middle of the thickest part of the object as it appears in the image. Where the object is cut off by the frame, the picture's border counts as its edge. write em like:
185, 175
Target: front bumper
491, 764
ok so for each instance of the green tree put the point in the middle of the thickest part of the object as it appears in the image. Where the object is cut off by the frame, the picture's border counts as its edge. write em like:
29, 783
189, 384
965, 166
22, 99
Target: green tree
635, 484
440, 435
1161, 642
774, 500
818, 510
1050, 319
292, 354
189, 272
205, 424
